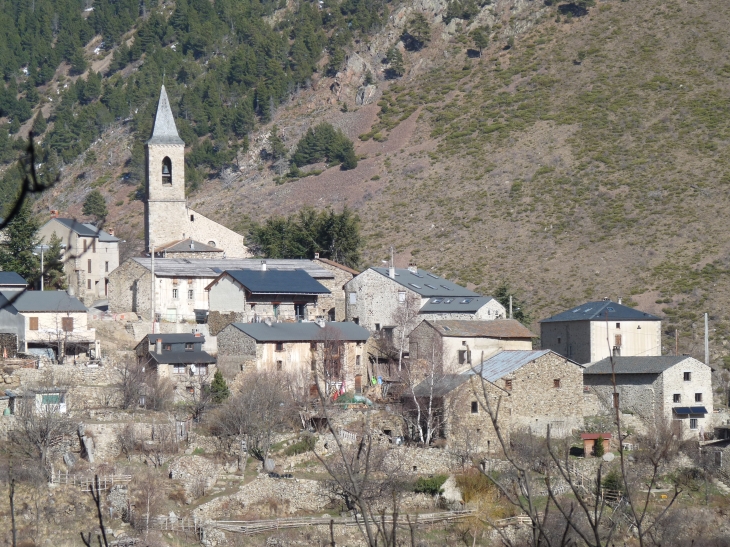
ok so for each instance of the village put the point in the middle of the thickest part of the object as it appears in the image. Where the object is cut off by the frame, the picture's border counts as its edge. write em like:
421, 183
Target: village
219, 398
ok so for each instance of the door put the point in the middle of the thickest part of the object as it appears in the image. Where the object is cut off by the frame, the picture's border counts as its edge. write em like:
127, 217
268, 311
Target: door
358, 384
171, 315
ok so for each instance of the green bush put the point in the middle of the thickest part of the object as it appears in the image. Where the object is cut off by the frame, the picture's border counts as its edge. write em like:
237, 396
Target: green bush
612, 481
305, 444
430, 485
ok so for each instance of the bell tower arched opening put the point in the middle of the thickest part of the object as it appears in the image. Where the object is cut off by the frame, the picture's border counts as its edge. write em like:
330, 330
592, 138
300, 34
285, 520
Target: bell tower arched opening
166, 171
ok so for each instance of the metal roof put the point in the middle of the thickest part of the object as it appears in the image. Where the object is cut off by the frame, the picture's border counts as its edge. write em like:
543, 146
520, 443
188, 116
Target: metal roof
44, 301
182, 357
636, 365
213, 267
441, 386
427, 284
276, 282
164, 131
600, 311
336, 265
505, 362
188, 245
498, 328
12, 278
450, 304
84, 229
303, 332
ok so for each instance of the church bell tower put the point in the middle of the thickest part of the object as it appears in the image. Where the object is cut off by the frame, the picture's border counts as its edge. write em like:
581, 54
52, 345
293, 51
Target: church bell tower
166, 207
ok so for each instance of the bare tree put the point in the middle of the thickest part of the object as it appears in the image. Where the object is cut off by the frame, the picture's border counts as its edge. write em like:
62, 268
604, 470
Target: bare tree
164, 443
147, 490
197, 400
127, 440
392, 340
131, 383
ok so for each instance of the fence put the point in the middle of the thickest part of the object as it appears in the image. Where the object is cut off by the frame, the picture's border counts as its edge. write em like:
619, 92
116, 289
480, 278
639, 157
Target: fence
177, 525
86, 483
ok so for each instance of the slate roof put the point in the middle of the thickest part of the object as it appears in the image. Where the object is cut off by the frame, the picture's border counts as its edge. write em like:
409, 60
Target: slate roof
12, 278
597, 311
164, 131
183, 246
85, 229
427, 284
635, 365
441, 386
498, 328
276, 282
180, 338
338, 265
505, 362
44, 301
182, 357
450, 304
302, 332
212, 268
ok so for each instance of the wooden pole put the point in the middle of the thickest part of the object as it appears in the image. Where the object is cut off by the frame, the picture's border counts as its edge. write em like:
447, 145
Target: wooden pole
676, 343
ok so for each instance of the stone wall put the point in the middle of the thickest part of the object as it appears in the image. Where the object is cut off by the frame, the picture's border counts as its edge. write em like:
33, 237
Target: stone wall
236, 351
336, 299
217, 321
569, 338
129, 289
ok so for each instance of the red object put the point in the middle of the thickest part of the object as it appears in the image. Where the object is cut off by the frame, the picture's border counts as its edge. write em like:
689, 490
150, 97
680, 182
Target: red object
594, 436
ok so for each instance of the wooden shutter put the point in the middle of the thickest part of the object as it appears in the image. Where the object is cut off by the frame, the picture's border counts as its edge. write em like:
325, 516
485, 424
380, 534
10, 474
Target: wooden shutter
67, 324
33, 323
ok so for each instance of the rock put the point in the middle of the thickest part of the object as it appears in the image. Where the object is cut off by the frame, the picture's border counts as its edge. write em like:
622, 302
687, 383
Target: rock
365, 94
173, 516
69, 459
269, 465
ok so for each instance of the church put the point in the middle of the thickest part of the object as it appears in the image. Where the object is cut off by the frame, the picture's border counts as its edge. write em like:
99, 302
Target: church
170, 225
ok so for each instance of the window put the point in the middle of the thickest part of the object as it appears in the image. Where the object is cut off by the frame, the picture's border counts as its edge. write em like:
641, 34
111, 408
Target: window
201, 370
276, 310
188, 346
93, 245
356, 320
279, 365
280, 346
558, 339
617, 340
32, 323
615, 400
192, 218
388, 333
174, 293
106, 266
358, 362
693, 423
698, 397
414, 285
313, 346
313, 365
676, 398
191, 294
88, 266
556, 382
86, 245
166, 171
211, 243
88, 284
167, 347
618, 325
474, 407
300, 310
464, 357
687, 376
377, 326
353, 298
67, 324
178, 369
508, 385
401, 296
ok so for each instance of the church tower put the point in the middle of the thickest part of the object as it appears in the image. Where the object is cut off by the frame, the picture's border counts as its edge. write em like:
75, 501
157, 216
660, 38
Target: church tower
166, 207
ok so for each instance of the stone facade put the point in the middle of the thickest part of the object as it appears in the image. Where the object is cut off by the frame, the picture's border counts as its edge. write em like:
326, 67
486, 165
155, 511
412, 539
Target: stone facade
129, 288
334, 304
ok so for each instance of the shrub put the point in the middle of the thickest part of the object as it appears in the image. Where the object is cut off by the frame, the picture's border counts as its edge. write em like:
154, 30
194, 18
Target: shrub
430, 485
305, 444
612, 481
598, 448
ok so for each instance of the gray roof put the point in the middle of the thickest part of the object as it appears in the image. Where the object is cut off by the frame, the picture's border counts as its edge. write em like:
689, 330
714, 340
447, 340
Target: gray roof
44, 301
498, 328
303, 332
505, 362
174, 338
427, 284
165, 131
85, 229
187, 246
442, 304
212, 268
441, 386
182, 357
636, 365
278, 281
12, 278
600, 311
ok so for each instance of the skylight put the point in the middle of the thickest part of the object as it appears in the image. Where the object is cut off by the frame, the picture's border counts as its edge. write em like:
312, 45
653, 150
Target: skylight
414, 285
447, 328
418, 274
447, 288
610, 309
448, 301
466, 301
430, 286
434, 276
435, 301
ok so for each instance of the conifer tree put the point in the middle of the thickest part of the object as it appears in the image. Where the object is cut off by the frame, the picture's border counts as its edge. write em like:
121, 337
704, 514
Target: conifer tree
395, 60
54, 276
17, 253
95, 205
219, 388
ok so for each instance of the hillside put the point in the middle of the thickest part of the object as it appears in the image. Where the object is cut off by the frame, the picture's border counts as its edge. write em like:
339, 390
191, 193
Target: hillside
589, 159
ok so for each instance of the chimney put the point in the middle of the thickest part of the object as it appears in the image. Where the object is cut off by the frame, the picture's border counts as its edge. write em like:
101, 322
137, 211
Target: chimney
391, 272
54, 213
320, 321
110, 232
197, 335
316, 255
619, 299
158, 345
412, 267
268, 321
192, 245
263, 265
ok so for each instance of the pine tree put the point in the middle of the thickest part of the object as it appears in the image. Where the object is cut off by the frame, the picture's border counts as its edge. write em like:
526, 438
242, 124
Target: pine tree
480, 36
278, 148
55, 277
17, 253
95, 205
219, 388
39, 124
395, 59
417, 32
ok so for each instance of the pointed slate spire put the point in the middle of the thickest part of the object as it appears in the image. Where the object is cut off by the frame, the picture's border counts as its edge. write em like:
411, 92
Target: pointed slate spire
165, 131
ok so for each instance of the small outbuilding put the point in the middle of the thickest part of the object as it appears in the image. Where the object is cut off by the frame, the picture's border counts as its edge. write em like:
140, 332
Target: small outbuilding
590, 440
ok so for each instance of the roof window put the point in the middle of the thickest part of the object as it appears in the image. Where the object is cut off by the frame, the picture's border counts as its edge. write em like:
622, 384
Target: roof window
430, 286
466, 301
448, 300
447, 288
610, 309
434, 276
435, 301
447, 328
414, 285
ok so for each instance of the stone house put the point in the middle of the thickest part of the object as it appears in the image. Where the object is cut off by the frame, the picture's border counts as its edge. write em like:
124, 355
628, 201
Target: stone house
11, 281
343, 274
594, 330
456, 343
535, 389
335, 349
167, 215
54, 324
671, 388
252, 296
180, 294
395, 300
90, 255
179, 357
